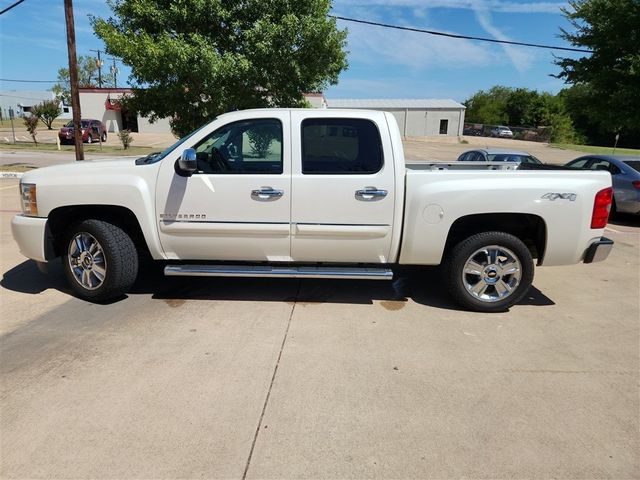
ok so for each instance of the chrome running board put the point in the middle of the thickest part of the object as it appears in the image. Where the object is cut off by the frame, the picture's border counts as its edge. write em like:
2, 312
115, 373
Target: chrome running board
278, 271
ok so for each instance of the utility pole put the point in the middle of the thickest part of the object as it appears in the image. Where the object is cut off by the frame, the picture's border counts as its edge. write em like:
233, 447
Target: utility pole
73, 77
99, 64
114, 72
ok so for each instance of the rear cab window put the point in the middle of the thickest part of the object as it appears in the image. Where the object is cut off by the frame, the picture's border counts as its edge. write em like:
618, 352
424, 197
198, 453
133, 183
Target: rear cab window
341, 146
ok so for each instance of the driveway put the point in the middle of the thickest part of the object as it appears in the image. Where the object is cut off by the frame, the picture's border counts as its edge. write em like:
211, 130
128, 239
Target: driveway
264, 378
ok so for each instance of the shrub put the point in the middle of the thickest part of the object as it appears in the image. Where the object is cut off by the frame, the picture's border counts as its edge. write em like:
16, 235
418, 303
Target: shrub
31, 122
125, 138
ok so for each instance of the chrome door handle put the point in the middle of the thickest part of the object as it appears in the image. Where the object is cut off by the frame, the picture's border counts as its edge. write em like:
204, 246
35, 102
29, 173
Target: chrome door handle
371, 192
266, 192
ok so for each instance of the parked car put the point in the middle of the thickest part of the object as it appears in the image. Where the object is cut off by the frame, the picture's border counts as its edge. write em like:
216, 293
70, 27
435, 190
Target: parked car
502, 132
472, 132
625, 173
498, 155
308, 193
92, 131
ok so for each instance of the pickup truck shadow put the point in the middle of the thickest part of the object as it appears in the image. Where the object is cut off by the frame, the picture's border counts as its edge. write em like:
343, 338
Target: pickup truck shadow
422, 285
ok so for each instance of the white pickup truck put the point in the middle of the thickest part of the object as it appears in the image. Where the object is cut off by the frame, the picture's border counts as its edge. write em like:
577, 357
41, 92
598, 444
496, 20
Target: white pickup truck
309, 193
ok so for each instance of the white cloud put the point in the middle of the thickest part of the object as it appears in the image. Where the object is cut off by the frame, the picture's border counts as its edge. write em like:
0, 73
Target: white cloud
454, 51
374, 46
491, 5
520, 58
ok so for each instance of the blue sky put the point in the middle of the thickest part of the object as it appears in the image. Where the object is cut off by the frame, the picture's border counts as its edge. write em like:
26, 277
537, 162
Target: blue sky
383, 63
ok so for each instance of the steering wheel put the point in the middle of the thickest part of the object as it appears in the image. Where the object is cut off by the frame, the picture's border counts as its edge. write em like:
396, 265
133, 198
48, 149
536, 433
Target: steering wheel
218, 161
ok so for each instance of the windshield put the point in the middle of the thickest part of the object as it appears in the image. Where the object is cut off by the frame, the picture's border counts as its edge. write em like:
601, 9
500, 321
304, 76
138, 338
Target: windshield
83, 124
508, 157
164, 153
635, 164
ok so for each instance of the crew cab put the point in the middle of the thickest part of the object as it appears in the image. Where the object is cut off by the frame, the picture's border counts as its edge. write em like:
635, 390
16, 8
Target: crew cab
310, 193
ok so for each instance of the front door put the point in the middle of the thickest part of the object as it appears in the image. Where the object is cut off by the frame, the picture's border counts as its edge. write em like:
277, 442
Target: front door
237, 206
342, 188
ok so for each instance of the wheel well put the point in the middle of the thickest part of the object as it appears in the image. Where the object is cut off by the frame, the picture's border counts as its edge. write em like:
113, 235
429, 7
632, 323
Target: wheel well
61, 218
529, 228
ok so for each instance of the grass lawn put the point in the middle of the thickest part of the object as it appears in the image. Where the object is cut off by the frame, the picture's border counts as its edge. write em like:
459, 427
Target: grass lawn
88, 148
595, 150
15, 167
18, 125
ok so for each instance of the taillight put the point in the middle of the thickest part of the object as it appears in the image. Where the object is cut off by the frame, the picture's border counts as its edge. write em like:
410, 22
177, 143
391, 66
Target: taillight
601, 208
636, 184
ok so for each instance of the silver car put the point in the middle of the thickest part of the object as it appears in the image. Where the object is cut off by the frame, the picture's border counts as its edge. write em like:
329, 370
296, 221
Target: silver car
497, 155
625, 173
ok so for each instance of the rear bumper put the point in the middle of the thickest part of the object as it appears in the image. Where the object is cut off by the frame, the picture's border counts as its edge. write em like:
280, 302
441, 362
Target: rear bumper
598, 251
30, 234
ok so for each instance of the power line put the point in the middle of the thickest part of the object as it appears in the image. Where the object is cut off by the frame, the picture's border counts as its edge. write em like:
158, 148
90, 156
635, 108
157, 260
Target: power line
27, 81
453, 35
11, 6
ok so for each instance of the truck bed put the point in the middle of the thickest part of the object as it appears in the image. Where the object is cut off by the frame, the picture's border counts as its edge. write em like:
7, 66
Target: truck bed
421, 165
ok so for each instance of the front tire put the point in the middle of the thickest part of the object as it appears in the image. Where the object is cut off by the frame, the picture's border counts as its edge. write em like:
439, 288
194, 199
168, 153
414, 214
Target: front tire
489, 271
100, 260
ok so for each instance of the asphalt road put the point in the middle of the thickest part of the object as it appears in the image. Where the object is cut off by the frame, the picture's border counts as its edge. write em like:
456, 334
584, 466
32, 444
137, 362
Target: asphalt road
219, 378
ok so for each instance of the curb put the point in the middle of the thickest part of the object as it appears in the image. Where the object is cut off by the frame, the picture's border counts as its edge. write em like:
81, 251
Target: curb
11, 174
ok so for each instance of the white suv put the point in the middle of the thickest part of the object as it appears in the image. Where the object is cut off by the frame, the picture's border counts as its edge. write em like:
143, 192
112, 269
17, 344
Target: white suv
502, 132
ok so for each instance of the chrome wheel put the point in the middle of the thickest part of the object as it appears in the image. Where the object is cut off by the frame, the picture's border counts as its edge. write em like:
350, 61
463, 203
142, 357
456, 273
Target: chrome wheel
492, 273
87, 261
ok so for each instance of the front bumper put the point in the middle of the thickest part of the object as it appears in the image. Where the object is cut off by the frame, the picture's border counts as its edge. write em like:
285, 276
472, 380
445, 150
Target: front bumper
30, 233
598, 251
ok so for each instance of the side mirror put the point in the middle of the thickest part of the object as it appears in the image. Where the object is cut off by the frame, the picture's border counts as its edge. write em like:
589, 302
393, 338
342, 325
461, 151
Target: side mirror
187, 164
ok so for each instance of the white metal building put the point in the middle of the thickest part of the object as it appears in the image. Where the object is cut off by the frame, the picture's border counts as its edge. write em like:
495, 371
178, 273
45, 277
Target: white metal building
415, 117
22, 101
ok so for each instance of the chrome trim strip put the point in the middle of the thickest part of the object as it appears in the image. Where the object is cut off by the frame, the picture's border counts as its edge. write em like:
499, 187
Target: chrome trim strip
278, 272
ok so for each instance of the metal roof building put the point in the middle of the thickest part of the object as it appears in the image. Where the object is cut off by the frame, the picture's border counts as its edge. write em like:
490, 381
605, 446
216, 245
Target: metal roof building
416, 117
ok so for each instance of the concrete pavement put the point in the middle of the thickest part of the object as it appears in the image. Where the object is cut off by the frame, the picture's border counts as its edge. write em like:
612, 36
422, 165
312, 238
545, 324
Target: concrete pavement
233, 378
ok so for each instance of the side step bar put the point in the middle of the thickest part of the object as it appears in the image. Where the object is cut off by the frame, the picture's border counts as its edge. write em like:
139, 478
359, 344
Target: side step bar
277, 271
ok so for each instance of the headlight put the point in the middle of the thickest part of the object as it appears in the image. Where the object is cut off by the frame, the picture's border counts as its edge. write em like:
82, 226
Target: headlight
29, 202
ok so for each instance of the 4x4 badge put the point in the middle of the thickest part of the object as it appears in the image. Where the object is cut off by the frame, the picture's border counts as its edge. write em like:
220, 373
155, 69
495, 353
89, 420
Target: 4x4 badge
562, 196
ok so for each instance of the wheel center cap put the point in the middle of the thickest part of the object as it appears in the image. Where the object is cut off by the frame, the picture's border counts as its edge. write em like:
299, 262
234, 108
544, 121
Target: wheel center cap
86, 260
491, 274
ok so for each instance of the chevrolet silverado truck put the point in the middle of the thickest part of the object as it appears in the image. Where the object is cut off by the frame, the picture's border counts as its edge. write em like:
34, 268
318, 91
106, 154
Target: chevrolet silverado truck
309, 193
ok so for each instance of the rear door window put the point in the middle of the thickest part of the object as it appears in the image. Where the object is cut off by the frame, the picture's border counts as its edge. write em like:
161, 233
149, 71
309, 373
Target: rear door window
579, 163
340, 146
605, 165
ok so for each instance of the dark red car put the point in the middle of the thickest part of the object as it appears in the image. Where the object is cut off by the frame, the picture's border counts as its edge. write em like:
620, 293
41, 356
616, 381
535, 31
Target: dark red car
92, 131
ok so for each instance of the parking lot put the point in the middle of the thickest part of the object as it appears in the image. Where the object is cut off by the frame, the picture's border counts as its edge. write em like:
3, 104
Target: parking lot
264, 378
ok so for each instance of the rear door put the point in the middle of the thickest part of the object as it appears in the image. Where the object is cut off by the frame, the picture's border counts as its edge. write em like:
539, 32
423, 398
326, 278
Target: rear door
342, 187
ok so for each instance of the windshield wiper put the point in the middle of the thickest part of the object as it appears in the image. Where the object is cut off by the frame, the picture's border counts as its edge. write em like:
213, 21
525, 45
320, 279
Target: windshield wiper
147, 159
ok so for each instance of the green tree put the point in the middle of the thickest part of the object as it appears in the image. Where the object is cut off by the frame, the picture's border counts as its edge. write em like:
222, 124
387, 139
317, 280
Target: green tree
193, 60
611, 29
488, 107
522, 106
47, 111
87, 78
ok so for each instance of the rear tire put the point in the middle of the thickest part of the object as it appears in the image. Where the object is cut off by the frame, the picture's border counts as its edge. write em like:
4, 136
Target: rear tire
104, 137
489, 272
100, 260
89, 139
